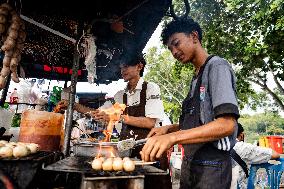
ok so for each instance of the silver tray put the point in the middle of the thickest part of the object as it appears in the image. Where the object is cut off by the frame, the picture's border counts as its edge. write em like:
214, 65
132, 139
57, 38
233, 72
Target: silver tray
92, 149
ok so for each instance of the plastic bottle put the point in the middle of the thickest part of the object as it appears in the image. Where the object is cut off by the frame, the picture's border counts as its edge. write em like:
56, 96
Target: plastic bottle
14, 98
8, 96
114, 136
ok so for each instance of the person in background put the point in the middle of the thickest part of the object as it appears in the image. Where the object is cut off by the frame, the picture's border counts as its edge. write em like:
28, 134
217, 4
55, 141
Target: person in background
207, 127
250, 154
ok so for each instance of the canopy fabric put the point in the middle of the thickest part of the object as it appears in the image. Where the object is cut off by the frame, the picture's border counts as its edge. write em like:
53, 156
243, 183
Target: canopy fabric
122, 29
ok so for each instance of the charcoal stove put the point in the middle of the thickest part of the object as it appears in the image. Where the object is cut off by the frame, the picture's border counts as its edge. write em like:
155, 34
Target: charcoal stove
24, 172
91, 179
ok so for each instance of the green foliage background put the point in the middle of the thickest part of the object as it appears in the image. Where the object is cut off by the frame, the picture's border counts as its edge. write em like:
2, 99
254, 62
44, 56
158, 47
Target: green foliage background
261, 125
250, 35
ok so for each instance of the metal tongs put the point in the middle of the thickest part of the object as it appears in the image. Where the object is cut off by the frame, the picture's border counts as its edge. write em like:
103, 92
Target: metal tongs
129, 144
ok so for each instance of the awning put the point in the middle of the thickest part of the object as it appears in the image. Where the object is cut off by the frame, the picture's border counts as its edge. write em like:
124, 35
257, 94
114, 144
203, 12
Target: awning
122, 29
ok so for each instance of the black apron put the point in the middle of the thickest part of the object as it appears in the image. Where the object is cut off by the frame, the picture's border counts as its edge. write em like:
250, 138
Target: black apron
203, 166
129, 131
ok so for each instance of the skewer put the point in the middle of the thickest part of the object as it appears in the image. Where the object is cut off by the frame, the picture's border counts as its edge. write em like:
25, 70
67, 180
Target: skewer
144, 163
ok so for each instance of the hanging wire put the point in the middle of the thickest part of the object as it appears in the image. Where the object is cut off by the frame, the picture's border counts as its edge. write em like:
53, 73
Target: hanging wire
131, 10
79, 43
21, 6
174, 15
18, 6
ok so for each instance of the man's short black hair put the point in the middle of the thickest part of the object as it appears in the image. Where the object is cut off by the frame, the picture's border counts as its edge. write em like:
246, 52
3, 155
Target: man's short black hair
184, 25
139, 59
240, 129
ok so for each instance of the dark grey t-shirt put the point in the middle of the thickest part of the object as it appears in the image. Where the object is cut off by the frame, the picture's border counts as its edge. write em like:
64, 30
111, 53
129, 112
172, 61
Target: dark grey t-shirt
218, 96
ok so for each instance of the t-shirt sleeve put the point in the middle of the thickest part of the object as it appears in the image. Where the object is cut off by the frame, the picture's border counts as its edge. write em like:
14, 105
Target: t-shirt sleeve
154, 105
224, 100
118, 97
252, 154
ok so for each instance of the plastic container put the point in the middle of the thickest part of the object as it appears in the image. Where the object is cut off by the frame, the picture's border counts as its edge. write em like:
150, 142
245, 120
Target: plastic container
263, 141
42, 128
275, 142
283, 148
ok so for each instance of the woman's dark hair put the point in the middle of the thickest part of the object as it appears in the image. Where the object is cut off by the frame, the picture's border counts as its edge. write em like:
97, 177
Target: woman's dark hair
184, 25
240, 129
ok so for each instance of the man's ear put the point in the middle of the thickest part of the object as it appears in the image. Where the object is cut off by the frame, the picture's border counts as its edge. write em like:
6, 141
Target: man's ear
195, 36
140, 66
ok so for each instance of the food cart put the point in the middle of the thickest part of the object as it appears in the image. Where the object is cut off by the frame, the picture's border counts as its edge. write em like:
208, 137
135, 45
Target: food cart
58, 34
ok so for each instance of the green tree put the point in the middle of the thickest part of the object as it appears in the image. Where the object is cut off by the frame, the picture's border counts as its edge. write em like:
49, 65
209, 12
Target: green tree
262, 124
274, 130
250, 34
172, 77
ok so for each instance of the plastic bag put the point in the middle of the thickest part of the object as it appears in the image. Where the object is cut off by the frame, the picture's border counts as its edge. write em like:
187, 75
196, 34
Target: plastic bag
6, 117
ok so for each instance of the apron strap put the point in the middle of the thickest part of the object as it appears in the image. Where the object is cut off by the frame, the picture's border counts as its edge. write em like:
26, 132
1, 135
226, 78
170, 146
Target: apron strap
143, 93
239, 160
193, 148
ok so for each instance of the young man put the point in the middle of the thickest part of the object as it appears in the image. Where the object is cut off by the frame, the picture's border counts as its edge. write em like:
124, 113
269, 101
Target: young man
250, 154
144, 107
144, 111
207, 126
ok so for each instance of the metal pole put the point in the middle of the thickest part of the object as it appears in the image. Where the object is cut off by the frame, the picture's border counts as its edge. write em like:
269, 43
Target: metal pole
5, 91
69, 114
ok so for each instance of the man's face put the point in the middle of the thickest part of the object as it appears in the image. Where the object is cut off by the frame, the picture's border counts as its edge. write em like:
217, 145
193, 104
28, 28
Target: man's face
129, 72
182, 46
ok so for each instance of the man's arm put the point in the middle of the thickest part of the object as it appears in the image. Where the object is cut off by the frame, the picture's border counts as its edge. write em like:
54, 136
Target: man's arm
63, 104
219, 128
275, 155
82, 109
153, 109
252, 154
173, 128
163, 130
141, 122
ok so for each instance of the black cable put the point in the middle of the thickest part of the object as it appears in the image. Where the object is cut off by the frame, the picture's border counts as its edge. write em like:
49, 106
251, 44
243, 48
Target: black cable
174, 15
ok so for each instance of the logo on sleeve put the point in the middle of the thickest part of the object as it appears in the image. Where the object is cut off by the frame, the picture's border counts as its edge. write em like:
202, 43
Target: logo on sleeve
154, 97
202, 93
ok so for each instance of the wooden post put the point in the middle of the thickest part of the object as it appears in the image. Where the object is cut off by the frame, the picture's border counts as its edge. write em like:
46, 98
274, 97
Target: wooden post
5, 91
74, 77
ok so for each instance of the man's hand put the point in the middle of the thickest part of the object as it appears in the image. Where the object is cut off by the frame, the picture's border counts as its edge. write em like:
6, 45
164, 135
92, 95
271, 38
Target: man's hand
156, 146
157, 131
61, 106
99, 115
